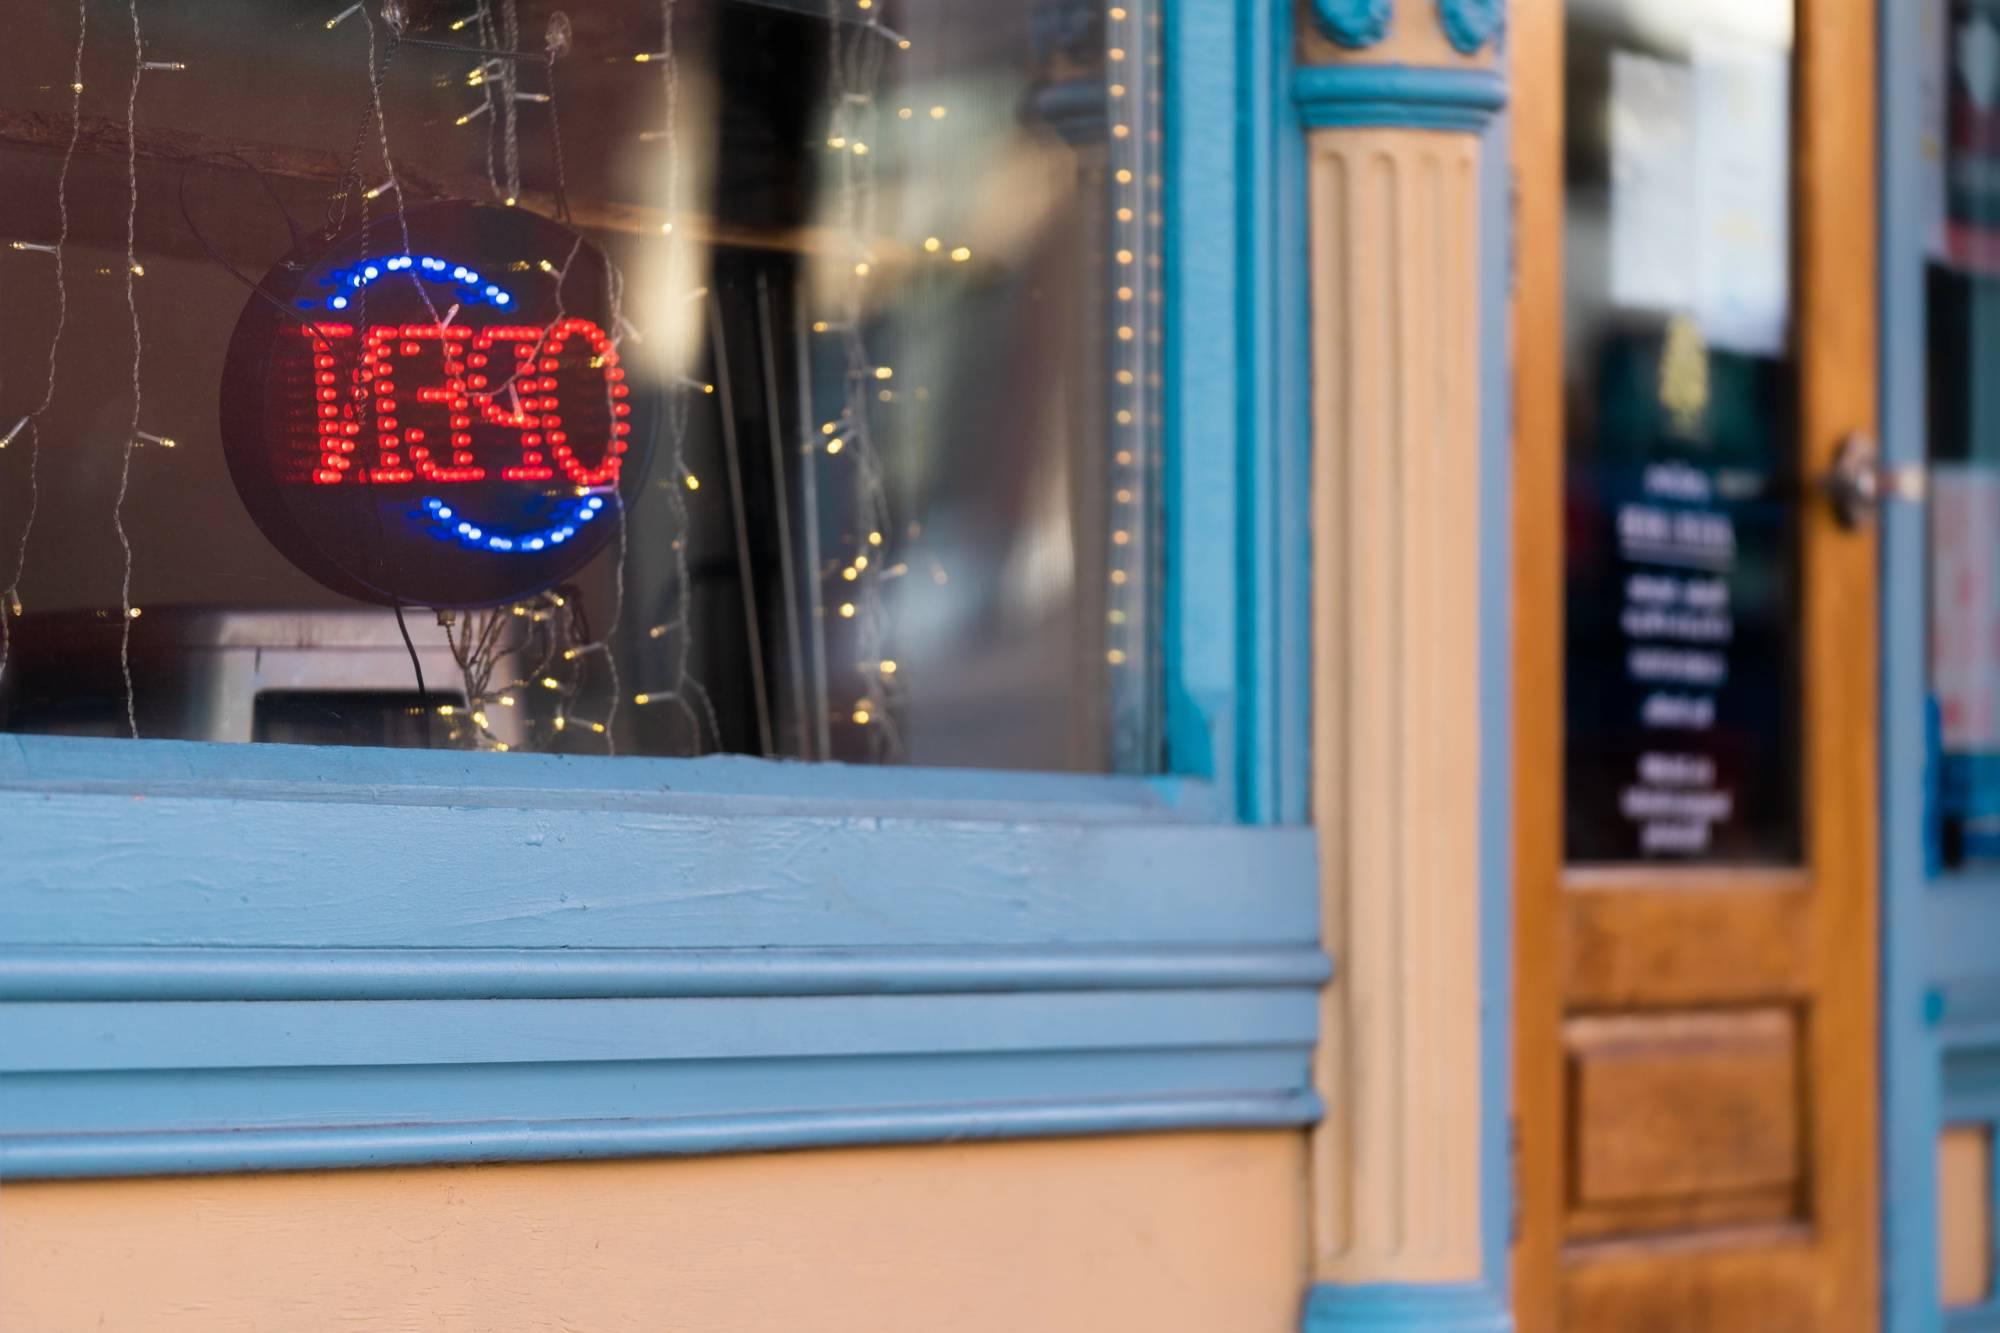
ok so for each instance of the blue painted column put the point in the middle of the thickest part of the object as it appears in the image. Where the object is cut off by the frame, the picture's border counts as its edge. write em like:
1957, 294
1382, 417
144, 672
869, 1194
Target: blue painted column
1404, 187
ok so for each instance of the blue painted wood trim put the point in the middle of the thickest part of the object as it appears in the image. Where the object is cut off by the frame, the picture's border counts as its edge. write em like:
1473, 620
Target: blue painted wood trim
1911, 1073
1238, 614
729, 784
100, 1086
1401, 96
1407, 1308
110, 1037
1205, 670
1274, 428
502, 976
106, 870
140, 973
74, 1156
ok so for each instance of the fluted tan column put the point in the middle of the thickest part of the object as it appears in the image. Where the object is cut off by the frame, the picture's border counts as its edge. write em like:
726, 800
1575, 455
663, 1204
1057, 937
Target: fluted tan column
1396, 702
1393, 161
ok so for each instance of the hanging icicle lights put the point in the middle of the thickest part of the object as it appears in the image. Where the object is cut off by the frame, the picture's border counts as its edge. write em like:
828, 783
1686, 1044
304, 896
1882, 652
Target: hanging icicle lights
682, 691
12, 594
856, 52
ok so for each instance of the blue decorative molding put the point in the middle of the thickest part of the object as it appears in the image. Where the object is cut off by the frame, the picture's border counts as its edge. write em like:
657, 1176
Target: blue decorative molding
121, 1087
1202, 606
1404, 96
1471, 24
1273, 426
1354, 23
143, 973
97, 870
289, 973
728, 784
71, 1156
1468, 1307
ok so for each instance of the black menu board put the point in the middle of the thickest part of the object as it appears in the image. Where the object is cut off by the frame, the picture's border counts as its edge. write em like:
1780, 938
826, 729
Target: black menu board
1681, 571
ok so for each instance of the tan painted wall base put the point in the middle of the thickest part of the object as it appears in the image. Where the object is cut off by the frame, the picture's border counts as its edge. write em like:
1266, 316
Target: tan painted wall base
1171, 1234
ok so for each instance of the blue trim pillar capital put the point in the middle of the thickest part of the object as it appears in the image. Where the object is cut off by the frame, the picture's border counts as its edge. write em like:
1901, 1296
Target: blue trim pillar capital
1470, 26
1408, 520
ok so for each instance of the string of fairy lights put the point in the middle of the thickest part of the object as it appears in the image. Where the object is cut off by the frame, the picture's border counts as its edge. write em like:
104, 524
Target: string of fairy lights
682, 691
12, 608
855, 56
540, 647
1132, 95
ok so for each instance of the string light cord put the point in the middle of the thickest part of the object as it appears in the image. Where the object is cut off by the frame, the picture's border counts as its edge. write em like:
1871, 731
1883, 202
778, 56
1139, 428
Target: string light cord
263, 179
12, 608
855, 55
138, 345
222, 261
350, 180
376, 73
555, 134
683, 691
461, 49
510, 143
489, 36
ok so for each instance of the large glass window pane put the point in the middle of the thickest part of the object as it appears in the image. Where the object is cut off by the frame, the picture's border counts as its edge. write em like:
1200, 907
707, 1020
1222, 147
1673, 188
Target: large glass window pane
1682, 699
1962, 96
759, 377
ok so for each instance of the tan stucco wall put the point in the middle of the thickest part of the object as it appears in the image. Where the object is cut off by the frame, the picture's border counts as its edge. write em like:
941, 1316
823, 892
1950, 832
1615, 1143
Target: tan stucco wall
1170, 1233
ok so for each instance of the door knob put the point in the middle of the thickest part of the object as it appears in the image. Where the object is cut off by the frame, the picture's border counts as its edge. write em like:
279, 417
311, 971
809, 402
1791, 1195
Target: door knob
1858, 482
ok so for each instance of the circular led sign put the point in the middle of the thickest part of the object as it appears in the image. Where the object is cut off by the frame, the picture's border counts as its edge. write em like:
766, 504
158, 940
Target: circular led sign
430, 410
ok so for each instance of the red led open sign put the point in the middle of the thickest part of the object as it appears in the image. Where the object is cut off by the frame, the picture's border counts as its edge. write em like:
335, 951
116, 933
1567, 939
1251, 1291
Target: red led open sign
416, 391
441, 420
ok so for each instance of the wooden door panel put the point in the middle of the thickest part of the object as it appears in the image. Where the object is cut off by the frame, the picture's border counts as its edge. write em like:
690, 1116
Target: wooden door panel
1673, 1106
1640, 939
1753, 1280
1696, 1047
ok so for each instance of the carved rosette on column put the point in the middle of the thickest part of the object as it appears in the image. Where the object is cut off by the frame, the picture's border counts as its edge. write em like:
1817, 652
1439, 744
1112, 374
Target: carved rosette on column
1393, 162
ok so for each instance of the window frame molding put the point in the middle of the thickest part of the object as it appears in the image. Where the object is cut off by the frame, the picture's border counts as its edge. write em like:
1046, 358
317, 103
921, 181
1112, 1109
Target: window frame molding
230, 957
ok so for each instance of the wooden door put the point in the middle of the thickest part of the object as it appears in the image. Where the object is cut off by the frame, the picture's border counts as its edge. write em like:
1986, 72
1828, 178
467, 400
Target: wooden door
1696, 1027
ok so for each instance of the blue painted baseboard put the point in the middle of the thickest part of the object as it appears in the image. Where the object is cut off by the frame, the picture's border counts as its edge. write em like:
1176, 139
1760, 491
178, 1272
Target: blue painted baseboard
1461, 1307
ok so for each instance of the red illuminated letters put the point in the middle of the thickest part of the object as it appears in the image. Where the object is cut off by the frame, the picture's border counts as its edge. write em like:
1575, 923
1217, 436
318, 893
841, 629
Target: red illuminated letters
418, 390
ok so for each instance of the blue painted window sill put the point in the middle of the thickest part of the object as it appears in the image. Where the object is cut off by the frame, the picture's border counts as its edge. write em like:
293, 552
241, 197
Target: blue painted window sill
236, 958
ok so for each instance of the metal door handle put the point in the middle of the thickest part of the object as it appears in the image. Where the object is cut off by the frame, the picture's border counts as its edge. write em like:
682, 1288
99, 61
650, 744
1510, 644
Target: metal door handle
1857, 483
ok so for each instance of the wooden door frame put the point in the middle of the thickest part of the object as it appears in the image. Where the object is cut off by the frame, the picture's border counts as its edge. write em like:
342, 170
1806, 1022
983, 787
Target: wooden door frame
1835, 230
1535, 115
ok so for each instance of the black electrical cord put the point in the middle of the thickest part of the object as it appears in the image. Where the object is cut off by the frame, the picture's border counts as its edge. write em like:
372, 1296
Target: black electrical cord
416, 665
222, 261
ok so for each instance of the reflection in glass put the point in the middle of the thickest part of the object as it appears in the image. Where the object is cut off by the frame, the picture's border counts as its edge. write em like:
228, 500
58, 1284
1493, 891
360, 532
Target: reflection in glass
888, 288
1681, 663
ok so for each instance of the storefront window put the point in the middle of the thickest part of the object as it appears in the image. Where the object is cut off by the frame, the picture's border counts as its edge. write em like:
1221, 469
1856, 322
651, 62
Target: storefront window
1682, 696
767, 378
1961, 86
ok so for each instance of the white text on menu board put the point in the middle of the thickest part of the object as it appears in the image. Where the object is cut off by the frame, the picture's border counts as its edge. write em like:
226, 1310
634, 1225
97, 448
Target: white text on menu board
1677, 627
